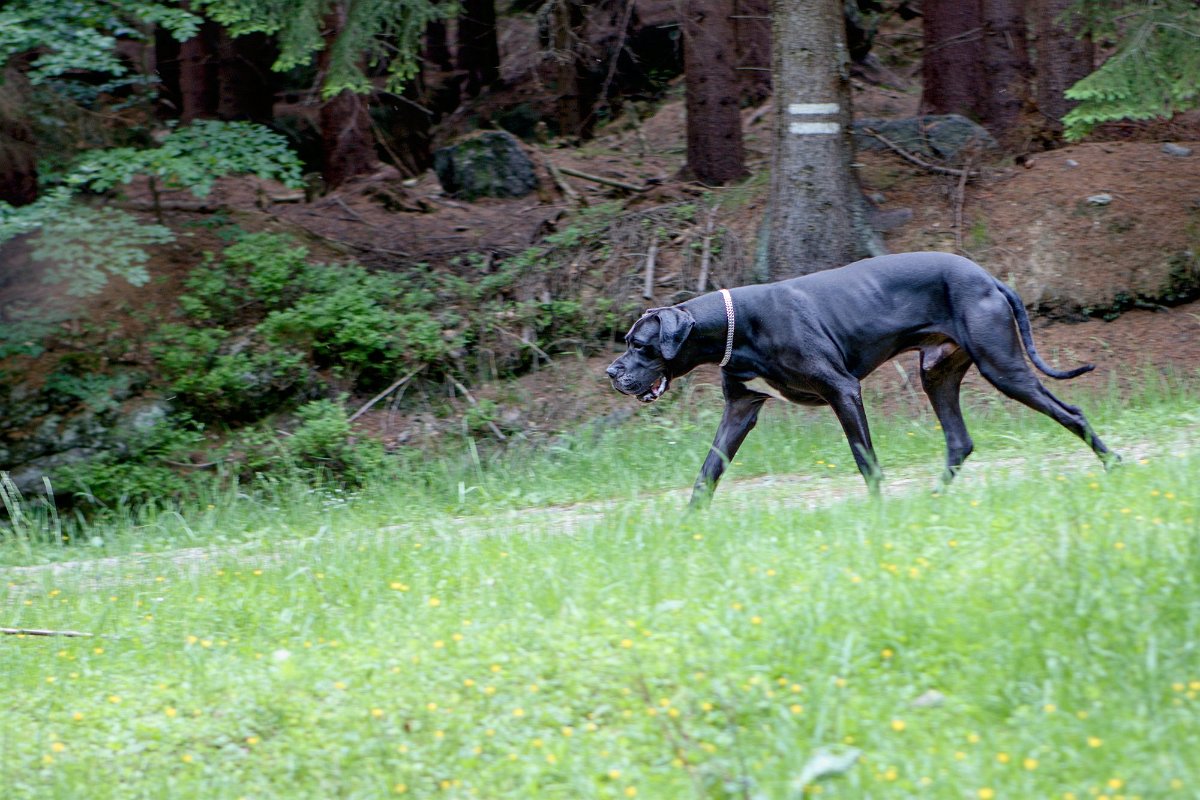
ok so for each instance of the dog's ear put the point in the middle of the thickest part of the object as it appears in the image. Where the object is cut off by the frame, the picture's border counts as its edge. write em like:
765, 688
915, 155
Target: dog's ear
674, 325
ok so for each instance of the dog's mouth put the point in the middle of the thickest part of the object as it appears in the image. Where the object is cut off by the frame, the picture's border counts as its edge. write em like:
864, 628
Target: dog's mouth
656, 390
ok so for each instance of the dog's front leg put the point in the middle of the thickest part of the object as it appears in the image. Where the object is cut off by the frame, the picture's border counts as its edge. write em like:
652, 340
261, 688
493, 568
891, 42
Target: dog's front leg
846, 401
741, 413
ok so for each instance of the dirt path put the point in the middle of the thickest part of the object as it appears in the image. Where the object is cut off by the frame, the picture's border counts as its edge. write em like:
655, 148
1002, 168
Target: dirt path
777, 492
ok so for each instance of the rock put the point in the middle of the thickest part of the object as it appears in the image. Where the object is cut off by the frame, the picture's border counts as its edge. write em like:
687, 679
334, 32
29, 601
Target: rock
942, 136
488, 164
1101, 199
1177, 150
1071, 163
930, 699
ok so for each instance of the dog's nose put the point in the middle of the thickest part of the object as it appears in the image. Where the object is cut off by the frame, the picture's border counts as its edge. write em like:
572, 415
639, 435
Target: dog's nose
613, 370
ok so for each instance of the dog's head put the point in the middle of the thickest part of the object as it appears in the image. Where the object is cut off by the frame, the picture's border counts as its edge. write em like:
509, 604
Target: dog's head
652, 344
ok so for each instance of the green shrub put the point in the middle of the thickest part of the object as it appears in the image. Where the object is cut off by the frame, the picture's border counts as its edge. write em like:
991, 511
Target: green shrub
216, 381
324, 442
141, 471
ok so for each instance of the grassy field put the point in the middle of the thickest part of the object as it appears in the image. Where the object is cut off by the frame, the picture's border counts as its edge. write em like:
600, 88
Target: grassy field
1032, 634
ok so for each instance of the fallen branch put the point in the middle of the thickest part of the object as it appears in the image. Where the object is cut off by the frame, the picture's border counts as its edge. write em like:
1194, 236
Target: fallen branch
385, 393
562, 184
912, 158
526, 343
471, 399
629, 187
41, 632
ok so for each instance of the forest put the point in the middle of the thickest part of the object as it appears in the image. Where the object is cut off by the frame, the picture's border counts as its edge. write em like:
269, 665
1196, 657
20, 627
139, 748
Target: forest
242, 237
313, 483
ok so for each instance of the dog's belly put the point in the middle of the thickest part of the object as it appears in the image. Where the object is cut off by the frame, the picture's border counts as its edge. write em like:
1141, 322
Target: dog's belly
760, 385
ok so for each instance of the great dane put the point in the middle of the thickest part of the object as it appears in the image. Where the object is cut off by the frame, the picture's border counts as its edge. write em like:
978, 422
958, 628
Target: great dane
810, 340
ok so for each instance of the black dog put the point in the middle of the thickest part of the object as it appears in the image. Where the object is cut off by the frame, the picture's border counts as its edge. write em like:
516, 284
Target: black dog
811, 339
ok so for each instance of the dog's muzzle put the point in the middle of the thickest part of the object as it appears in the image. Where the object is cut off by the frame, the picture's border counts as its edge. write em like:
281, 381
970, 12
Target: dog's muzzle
621, 383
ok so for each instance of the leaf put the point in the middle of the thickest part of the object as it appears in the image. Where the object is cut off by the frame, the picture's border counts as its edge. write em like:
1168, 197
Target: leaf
823, 763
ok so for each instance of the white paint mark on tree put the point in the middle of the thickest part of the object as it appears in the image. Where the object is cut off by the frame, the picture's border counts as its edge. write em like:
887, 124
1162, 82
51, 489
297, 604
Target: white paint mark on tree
804, 128
813, 108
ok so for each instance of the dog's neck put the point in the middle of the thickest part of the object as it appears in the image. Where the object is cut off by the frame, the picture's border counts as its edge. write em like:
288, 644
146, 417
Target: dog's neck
706, 343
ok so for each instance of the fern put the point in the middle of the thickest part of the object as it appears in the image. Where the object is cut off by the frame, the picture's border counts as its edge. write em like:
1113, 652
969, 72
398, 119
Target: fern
1155, 71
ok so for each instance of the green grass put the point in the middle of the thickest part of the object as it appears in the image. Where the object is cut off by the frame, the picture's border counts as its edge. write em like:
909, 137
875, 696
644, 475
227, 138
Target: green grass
1055, 611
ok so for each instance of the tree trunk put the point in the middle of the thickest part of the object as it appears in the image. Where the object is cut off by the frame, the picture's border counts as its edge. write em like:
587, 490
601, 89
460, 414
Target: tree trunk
817, 215
1063, 59
752, 27
198, 88
1006, 65
562, 30
951, 67
347, 144
18, 145
714, 124
437, 45
478, 51
245, 82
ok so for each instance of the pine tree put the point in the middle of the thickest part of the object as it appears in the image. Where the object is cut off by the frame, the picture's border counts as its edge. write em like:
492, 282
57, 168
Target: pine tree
347, 38
1155, 71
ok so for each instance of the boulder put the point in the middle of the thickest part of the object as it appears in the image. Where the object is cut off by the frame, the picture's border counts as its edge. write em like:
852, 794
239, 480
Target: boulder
942, 136
488, 164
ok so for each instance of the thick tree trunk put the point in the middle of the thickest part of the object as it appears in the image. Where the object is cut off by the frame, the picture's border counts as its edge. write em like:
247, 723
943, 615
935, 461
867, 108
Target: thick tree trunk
562, 30
951, 66
347, 144
18, 146
437, 45
817, 215
1006, 65
245, 82
714, 124
752, 27
1063, 59
198, 88
478, 51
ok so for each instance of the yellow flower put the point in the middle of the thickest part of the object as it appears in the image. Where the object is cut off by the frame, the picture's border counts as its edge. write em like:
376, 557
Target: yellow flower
114, 698
399, 587
986, 794
1115, 783
796, 708
434, 602
1030, 763
898, 725
186, 758
626, 643
170, 712
376, 712
518, 712
630, 791
57, 747
1003, 758
1094, 741
252, 740
400, 788
756, 620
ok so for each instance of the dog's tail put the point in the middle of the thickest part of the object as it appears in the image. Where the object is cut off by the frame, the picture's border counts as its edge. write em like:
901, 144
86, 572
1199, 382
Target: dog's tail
1022, 318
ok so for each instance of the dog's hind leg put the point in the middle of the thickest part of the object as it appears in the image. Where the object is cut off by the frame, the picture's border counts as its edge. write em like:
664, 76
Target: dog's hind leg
942, 369
738, 419
993, 344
